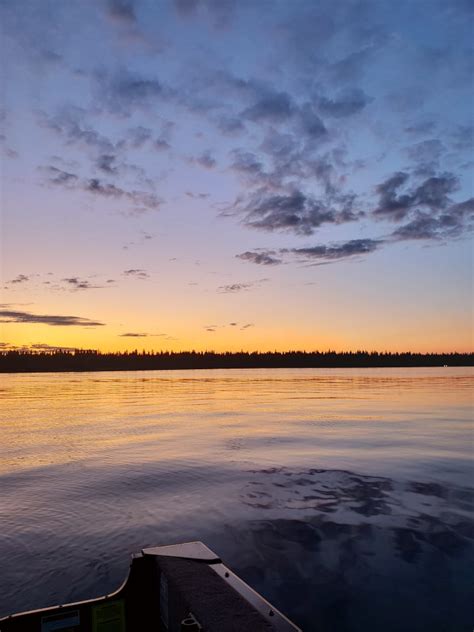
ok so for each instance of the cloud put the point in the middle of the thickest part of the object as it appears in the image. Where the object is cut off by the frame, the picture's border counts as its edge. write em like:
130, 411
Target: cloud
21, 278
122, 11
75, 283
271, 106
432, 193
97, 186
347, 104
295, 211
197, 196
310, 123
136, 273
69, 123
426, 151
214, 328
463, 137
247, 164
125, 91
134, 335
106, 163
352, 248
266, 258
60, 177
205, 160
234, 287
161, 145
10, 316
230, 125
319, 253
449, 224
136, 137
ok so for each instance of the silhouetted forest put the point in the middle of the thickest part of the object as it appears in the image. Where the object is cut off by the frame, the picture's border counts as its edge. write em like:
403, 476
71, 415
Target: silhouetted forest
85, 360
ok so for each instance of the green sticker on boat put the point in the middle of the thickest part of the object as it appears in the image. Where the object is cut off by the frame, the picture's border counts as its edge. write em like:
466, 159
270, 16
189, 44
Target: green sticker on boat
109, 617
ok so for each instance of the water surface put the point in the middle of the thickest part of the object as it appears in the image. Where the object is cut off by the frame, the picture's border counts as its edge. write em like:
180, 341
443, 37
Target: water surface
343, 495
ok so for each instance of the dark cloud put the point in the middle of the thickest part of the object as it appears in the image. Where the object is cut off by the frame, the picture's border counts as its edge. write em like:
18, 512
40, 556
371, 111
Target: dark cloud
69, 123
137, 137
463, 137
107, 164
230, 125
75, 283
346, 104
265, 258
161, 145
320, 253
122, 10
432, 193
124, 91
98, 187
51, 57
10, 316
60, 177
352, 248
353, 65
205, 160
247, 164
451, 223
271, 106
426, 151
197, 196
295, 212
134, 335
136, 273
310, 123
234, 287
21, 278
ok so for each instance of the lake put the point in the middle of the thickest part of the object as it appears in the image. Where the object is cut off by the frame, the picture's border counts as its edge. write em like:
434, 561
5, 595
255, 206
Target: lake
342, 495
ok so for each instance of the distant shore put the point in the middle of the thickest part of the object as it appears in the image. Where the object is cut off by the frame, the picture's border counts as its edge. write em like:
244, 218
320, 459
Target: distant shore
85, 360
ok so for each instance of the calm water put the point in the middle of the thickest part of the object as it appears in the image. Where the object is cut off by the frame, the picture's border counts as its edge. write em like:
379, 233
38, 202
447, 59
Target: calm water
341, 495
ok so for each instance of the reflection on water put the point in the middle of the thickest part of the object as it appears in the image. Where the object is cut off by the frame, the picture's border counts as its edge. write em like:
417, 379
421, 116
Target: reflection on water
342, 495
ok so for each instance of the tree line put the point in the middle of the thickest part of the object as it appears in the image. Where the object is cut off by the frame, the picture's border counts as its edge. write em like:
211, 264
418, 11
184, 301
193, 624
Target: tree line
92, 360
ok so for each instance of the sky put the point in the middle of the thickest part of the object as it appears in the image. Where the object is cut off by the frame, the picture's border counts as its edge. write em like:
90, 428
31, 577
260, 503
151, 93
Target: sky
237, 175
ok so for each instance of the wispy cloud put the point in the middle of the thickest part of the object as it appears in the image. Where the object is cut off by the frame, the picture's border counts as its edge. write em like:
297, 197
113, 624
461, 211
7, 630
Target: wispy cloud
11, 316
233, 288
21, 278
136, 273
266, 258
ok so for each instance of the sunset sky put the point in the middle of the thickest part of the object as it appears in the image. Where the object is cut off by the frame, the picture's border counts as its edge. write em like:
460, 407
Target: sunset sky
237, 174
